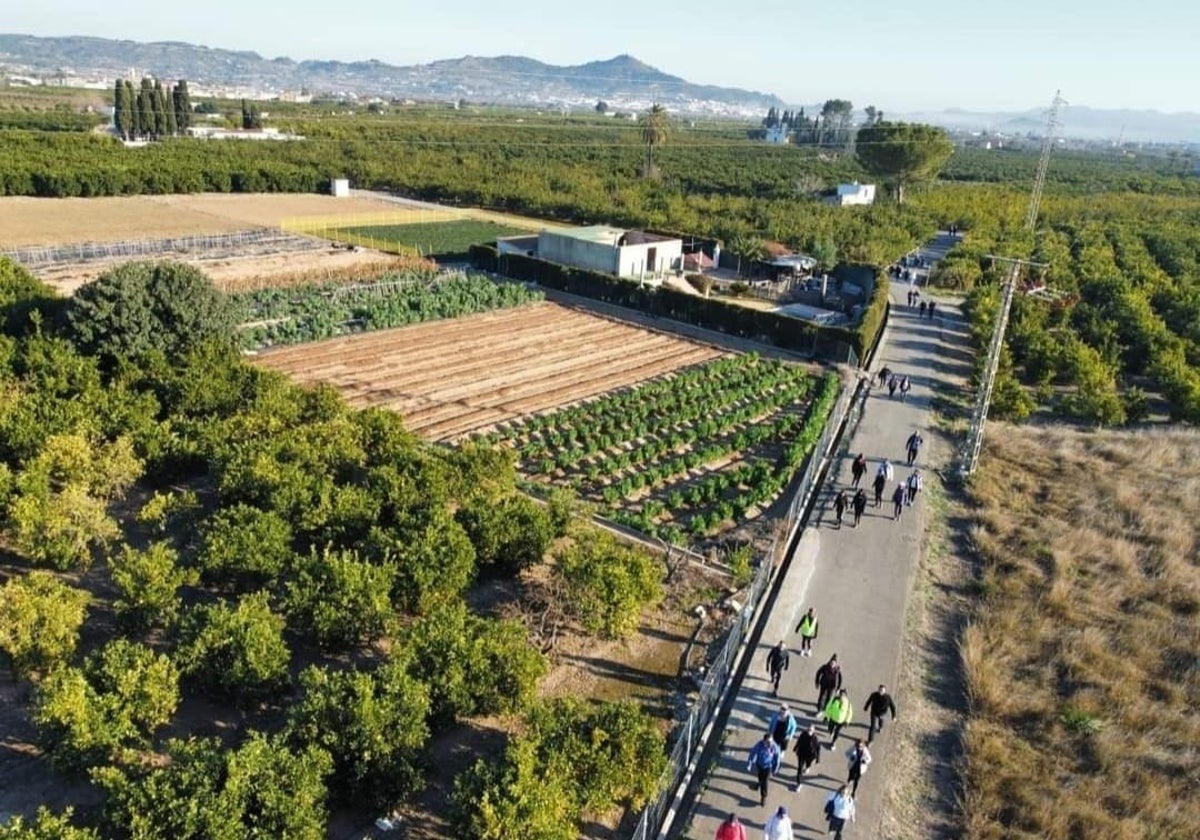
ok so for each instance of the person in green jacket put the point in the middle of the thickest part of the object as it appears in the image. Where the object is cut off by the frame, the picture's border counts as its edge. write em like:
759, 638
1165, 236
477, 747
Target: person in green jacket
838, 713
807, 628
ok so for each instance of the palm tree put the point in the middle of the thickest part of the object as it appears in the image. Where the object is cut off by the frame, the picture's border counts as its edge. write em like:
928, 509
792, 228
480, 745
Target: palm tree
654, 133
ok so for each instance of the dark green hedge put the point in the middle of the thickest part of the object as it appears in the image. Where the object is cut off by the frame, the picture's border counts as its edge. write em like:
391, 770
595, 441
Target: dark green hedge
768, 327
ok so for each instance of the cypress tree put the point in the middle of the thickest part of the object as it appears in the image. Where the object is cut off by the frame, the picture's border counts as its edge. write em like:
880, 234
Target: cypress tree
119, 114
172, 126
183, 106
146, 107
133, 120
160, 110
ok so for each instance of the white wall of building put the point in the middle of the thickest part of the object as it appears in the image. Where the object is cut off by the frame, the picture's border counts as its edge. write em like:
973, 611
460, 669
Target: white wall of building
635, 260
855, 194
568, 250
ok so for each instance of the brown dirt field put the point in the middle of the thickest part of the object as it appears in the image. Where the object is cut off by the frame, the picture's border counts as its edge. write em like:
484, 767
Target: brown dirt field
235, 274
451, 378
48, 221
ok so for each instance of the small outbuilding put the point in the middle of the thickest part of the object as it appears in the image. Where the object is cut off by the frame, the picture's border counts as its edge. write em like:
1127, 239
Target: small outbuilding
625, 253
854, 193
339, 188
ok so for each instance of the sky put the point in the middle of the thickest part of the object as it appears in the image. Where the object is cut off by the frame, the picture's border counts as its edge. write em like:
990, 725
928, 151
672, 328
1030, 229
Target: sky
900, 55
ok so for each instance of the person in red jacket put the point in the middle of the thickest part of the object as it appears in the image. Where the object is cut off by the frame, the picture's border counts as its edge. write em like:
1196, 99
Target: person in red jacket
731, 829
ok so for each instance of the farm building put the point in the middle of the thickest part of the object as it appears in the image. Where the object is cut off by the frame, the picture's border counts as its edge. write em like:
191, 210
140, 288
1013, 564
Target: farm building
777, 134
625, 253
854, 193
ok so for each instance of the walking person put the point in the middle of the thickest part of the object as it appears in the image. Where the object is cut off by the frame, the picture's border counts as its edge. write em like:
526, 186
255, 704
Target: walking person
932, 306
777, 663
905, 387
827, 681
914, 443
838, 713
859, 468
880, 484
859, 504
839, 810
877, 705
922, 309
884, 373
808, 752
839, 506
731, 829
898, 498
764, 761
779, 827
916, 483
893, 383
807, 628
859, 758
782, 728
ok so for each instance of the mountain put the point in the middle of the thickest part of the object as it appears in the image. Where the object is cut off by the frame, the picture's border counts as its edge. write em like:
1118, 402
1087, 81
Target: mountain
1078, 122
623, 82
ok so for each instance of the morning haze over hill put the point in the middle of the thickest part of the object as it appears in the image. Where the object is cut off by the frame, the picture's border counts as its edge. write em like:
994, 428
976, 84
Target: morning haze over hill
623, 82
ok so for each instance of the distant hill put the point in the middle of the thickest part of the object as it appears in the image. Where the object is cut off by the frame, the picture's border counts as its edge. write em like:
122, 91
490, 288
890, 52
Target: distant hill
623, 81
1077, 121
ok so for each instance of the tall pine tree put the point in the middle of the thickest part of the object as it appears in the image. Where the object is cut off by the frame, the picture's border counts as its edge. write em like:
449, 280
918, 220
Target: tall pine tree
134, 120
146, 108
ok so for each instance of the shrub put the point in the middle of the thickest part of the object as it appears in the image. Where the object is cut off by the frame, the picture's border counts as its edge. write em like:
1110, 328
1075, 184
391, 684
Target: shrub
514, 798
39, 621
607, 584
238, 650
46, 826
371, 724
343, 600
148, 582
511, 534
433, 561
121, 696
245, 545
139, 307
259, 791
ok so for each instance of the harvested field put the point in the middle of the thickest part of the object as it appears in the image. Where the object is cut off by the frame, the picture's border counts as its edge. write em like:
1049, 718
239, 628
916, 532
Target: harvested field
451, 378
1081, 663
50, 221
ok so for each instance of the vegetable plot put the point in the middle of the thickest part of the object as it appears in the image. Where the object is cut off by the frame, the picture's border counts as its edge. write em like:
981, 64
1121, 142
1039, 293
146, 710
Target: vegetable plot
272, 317
694, 453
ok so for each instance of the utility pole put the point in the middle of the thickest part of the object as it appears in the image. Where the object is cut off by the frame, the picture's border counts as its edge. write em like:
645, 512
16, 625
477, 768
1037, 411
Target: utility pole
974, 442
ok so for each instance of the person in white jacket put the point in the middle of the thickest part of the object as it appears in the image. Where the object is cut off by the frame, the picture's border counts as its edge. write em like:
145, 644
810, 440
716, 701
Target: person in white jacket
839, 809
859, 758
779, 827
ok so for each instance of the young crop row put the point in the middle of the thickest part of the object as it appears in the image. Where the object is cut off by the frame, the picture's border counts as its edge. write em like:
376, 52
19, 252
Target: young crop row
692, 451
273, 317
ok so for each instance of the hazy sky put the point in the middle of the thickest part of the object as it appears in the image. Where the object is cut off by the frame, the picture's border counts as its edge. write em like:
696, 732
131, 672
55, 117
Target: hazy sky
900, 55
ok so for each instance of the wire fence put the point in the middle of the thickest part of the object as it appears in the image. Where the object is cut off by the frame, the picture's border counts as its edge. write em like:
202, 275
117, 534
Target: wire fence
691, 734
208, 244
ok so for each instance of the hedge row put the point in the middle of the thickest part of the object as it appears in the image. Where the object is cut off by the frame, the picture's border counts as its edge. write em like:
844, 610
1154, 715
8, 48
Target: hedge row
710, 313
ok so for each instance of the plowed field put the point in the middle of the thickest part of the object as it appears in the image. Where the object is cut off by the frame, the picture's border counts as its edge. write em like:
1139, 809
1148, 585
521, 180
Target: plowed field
450, 378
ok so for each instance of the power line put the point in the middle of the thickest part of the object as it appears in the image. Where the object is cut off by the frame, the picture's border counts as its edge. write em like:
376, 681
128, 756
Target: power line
974, 441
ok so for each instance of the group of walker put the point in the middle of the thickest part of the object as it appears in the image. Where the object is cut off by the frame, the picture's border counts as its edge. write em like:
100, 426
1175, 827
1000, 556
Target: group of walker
833, 701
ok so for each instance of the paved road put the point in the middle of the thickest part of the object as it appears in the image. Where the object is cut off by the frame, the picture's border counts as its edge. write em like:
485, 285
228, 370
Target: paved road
858, 580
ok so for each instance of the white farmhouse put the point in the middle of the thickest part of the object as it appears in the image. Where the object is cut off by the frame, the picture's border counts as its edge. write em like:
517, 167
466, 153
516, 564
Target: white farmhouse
854, 193
625, 253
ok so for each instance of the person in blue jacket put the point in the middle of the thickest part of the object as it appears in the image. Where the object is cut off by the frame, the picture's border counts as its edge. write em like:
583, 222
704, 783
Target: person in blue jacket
782, 727
764, 760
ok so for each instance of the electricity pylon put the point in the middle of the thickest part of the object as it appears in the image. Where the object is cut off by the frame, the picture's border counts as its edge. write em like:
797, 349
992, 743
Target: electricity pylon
974, 442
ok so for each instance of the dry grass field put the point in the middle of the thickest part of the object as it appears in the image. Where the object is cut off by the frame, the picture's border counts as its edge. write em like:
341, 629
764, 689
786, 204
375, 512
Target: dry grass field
53, 221
451, 378
1083, 661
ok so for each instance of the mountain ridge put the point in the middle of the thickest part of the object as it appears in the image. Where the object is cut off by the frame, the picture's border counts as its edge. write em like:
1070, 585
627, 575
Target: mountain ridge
623, 80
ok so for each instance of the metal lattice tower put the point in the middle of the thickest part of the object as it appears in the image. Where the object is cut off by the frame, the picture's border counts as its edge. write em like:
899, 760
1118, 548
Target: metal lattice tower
983, 401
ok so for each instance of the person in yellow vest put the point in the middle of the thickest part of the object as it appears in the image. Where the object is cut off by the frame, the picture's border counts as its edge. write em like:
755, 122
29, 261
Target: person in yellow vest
807, 628
838, 713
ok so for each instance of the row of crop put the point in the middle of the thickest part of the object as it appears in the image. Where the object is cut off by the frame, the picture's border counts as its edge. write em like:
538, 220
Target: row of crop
686, 428
708, 499
273, 317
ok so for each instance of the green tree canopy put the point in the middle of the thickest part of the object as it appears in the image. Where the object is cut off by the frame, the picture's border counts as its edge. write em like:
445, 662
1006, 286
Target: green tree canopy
654, 134
239, 650
46, 826
40, 619
138, 308
902, 153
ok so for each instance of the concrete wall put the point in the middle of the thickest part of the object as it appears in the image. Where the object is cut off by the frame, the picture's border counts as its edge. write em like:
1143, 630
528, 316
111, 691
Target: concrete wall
668, 256
577, 252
